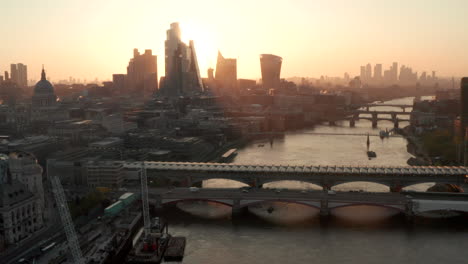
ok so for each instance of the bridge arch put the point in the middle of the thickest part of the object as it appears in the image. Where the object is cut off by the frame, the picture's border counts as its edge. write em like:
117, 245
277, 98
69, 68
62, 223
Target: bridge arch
377, 186
399, 208
220, 183
270, 182
226, 202
313, 204
292, 184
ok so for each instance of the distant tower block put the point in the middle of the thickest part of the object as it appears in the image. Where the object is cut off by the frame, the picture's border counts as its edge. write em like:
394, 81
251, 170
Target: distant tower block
271, 70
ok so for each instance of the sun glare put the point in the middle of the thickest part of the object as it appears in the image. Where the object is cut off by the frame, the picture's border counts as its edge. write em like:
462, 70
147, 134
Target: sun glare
205, 44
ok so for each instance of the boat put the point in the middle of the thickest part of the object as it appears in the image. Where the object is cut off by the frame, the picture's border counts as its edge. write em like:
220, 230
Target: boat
228, 156
370, 154
175, 249
384, 134
151, 248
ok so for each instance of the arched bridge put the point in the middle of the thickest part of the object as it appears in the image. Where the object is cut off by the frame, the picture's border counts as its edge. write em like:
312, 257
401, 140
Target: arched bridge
187, 174
410, 203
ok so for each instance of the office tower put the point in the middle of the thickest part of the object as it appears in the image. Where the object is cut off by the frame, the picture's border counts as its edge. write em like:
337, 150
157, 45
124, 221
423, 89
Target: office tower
182, 72
22, 80
142, 73
394, 72
119, 81
270, 66
378, 72
1, 79
14, 73
346, 77
226, 74
7, 76
363, 73
368, 72
19, 74
210, 74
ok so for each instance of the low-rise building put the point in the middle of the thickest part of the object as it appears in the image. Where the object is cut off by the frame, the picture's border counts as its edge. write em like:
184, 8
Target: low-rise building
108, 174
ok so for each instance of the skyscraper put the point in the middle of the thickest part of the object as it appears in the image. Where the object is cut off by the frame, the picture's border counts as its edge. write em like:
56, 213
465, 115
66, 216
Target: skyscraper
394, 72
378, 72
271, 69
182, 72
142, 73
226, 74
14, 73
362, 75
22, 75
368, 72
19, 74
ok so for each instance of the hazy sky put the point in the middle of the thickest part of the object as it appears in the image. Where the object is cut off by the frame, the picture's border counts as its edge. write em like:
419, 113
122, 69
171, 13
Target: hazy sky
95, 38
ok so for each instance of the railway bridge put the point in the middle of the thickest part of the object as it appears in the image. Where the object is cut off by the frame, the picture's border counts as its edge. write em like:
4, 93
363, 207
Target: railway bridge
188, 174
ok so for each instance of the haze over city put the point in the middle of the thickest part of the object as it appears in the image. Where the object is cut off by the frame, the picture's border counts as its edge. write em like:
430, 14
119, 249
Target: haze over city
89, 39
208, 132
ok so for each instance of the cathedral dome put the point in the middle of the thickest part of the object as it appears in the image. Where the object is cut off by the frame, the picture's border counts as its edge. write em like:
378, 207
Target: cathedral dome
43, 86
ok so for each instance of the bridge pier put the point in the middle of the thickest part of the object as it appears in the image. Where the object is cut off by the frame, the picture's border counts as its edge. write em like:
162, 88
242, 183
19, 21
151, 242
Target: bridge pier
237, 210
352, 123
331, 123
324, 210
396, 188
395, 124
374, 120
188, 182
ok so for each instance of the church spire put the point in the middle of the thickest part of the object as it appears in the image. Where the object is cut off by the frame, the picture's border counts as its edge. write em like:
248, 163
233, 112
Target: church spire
43, 76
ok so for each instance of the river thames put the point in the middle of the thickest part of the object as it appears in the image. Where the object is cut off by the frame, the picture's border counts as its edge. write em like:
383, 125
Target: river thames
286, 232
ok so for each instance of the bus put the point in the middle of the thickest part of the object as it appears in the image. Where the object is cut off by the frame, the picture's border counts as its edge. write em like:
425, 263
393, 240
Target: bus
48, 247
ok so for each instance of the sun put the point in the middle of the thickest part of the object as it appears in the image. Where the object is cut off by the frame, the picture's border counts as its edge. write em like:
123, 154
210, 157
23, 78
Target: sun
205, 44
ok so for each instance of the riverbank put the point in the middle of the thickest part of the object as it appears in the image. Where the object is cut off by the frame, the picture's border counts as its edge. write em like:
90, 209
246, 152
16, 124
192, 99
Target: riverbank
415, 148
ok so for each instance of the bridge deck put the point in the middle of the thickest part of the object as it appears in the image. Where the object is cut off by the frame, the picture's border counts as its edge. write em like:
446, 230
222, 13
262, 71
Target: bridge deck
298, 169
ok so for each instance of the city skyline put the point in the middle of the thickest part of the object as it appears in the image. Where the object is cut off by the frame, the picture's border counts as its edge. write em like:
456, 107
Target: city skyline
314, 40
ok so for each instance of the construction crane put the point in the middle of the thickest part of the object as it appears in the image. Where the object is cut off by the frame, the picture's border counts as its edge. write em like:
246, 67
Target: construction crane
144, 199
67, 222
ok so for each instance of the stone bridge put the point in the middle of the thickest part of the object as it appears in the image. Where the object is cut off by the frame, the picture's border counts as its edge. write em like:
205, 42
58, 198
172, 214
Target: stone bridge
190, 174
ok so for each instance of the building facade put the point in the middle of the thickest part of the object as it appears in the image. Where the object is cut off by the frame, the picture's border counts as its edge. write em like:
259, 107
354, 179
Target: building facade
226, 75
142, 73
108, 174
182, 73
271, 70
20, 209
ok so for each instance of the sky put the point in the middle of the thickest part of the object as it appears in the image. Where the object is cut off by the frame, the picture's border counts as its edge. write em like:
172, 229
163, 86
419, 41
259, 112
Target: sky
90, 39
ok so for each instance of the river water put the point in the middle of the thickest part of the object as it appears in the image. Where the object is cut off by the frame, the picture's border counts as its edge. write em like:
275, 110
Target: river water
294, 233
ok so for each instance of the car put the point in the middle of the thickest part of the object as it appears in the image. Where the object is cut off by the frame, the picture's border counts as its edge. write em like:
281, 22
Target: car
245, 190
277, 190
194, 189
331, 192
21, 260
